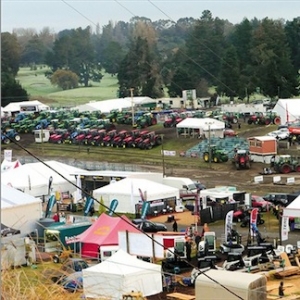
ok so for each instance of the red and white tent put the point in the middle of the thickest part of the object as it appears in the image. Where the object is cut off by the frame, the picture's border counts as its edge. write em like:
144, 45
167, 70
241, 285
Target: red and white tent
104, 232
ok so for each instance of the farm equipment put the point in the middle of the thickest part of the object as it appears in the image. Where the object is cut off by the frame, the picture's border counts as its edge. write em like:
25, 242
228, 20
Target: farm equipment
149, 141
242, 159
230, 118
260, 118
216, 155
145, 120
107, 140
12, 134
286, 164
172, 120
59, 136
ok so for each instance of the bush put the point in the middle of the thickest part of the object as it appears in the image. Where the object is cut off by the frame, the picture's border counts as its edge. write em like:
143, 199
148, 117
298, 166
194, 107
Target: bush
64, 79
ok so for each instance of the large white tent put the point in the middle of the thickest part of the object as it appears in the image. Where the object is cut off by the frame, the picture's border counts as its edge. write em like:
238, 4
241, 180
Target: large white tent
33, 178
127, 192
203, 126
106, 106
293, 209
122, 273
288, 110
19, 210
15, 106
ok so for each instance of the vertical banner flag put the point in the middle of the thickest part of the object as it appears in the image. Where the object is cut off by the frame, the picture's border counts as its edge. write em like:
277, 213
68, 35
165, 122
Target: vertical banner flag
253, 221
228, 224
284, 228
78, 194
50, 205
145, 209
50, 184
88, 204
113, 205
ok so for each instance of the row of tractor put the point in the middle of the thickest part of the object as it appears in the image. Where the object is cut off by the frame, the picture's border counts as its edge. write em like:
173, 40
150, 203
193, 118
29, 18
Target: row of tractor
260, 118
120, 139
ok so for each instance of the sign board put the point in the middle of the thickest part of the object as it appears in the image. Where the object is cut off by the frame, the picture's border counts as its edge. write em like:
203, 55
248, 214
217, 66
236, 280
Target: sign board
258, 179
290, 180
276, 179
285, 228
8, 155
168, 153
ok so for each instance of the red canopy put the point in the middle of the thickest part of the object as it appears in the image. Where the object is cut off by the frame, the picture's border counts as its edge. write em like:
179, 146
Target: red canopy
104, 232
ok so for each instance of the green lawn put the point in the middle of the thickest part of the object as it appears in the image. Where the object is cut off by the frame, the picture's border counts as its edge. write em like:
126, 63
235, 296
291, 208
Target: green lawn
39, 87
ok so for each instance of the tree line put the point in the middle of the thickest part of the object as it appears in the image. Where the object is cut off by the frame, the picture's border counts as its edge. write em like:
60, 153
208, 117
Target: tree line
162, 58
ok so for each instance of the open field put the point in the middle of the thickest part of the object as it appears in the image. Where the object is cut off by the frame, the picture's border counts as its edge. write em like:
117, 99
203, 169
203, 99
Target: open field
40, 88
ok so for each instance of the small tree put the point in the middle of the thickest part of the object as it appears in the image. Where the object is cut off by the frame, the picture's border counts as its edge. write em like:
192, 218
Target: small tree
65, 79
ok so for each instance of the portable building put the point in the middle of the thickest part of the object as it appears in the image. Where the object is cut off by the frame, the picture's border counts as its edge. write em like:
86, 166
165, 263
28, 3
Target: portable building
262, 148
243, 108
225, 285
129, 193
19, 210
120, 274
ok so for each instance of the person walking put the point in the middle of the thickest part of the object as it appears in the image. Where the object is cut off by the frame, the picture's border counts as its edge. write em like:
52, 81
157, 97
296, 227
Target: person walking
175, 226
188, 249
281, 290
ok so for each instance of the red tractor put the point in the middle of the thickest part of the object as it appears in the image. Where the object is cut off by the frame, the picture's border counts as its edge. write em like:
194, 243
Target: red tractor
117, 141
242, 159
230, 118
172, 120
107, 140
98, 138
59, 136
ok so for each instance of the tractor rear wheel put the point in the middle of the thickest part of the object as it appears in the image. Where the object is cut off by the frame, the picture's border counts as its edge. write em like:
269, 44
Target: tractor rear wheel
17, 138
216, 159
206, 156
250, 122
285, 169
297, 168
267, 121
277, 121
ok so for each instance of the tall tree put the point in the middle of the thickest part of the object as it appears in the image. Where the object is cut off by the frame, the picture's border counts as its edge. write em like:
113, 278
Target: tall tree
292, 31
273, 69
33, 52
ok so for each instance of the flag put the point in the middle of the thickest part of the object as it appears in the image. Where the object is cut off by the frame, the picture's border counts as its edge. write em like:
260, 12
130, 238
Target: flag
284, 228
145, 209
50, 184
253, 221
88, 204
113, 205
78, 194
50, 205
228, 224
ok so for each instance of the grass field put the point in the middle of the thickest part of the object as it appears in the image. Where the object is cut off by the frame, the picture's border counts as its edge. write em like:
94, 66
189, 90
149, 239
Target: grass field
40, 88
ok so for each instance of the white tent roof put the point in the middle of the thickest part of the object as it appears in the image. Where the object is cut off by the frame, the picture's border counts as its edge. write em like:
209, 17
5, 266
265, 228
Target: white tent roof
204, 123
33, 178
121, 274
130, 186
11, 197
106, 106
15, 106
293, 209
288, 108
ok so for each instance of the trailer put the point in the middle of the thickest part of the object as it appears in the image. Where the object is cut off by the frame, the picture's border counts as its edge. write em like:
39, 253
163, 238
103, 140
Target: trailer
219, 284
246, 109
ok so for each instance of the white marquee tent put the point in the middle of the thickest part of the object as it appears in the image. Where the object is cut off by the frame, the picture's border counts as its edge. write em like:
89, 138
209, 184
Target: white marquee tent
15, 106
120, 274
33, 178
126, 191
288, 110
293, 209
106, 106
19, 210
203, 125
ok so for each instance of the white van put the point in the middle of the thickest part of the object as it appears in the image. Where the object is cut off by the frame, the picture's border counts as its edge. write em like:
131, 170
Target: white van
186, 186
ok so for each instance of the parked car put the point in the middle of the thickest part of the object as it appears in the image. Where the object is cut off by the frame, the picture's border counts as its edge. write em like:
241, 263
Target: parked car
200, 186
276, 198
260, 203
148, 226
281, 134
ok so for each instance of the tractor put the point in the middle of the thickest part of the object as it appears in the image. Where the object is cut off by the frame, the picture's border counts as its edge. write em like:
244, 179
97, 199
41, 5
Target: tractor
172, 120
230, 118
217, 155
286, 164
241, 159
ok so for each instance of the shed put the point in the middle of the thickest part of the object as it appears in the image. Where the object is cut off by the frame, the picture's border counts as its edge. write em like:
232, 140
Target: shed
18, 210
128, 193
120, 274
219, 284
262, 148
42, 135
200, 126
288, 110
33, 178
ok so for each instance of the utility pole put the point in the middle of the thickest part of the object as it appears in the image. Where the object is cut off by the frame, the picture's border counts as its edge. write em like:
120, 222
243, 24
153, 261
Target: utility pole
163, 155
132, 106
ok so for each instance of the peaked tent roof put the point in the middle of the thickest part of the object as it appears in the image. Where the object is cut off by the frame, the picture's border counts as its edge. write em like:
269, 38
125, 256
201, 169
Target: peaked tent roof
288, 110
105, 230
293, 209
11, 197
203, 123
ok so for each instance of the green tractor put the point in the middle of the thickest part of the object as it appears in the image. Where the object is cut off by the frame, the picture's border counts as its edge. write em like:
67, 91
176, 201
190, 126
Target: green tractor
217, 155
286, 164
